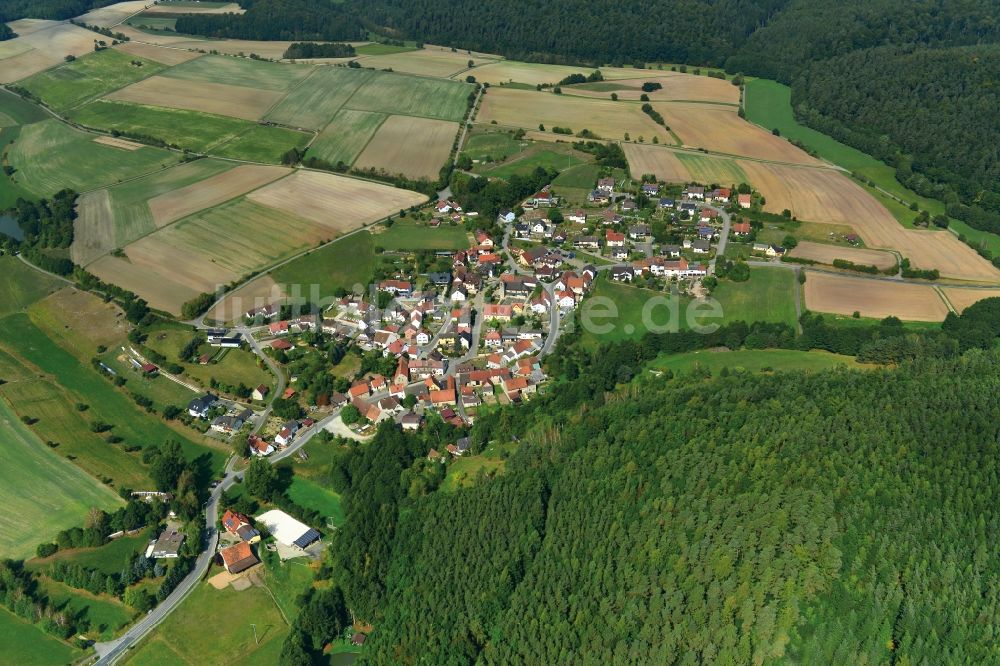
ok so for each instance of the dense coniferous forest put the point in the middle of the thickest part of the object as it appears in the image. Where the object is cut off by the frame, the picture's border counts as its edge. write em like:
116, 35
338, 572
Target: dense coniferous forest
56, 10
276, 20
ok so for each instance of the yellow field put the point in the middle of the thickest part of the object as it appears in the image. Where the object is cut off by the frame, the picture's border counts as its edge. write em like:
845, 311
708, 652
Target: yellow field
825, 254
528, 109
426, 61
258, 293
661, 162
718, 128
824, 195
218, 98
414, 147
873, 298
40, 45
524, 72
94, 229
963, 298
160, 54
212, 191
340, 204
115, 142
105, 17
676, 87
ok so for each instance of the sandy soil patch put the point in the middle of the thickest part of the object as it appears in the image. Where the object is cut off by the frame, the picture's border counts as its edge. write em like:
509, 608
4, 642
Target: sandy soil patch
873, 298
415, 147
40, 45
961, 299
676, 87
258, 293
527, 109
338, 203
663, 163
105, 17
115, 142
160, 54
212, 191
825, 254
824, 195
719, 128
94, 228
219, 98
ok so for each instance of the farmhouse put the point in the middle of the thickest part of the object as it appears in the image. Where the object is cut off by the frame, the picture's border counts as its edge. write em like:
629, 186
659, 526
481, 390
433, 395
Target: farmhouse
238, 557
742, 229
239, 525
744, 200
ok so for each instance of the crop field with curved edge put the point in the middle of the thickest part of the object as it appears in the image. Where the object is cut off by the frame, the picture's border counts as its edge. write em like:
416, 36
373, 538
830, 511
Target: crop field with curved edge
876, 299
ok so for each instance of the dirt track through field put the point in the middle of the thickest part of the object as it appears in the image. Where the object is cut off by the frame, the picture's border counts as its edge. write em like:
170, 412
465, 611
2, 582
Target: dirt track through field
825, 254
873, 298
212, 191
218, 98
118, 143
414, 147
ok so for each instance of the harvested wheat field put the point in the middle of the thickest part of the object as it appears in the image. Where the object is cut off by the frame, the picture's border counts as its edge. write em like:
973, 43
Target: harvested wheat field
94, 229
218, 98
414, 147
719, 128
663, 163
841, 294
527, 109
40, 45
524, 72
338, 203
115, 142
258, 293
427, 62
161, 294
825, 254
172, 206
824, 195
961, 298
112, 15
676, 88
160, 54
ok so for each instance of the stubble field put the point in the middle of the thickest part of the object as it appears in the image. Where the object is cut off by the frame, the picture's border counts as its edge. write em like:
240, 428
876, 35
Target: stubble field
346, 136
825, 254
40, 45
873, 298
212, 191
961, 299
216, 98
414, 147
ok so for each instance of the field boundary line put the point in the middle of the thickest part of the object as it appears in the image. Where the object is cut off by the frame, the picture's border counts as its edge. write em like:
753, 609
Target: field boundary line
385, 117
944, 297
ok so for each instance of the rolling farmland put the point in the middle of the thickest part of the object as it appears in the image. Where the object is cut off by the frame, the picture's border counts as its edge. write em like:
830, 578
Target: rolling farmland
217, 98
412, 96
875, 299
676, 88
346, 136
315, 102
826, 254
262, 75
414, 147
40, 45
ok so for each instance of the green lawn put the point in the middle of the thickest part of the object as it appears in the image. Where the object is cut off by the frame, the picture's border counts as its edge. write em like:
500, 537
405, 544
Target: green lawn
89, 77
312, 495
582, 176
549, 159
22, 285
769, 295
493, 146
27, 645
183, 638
317, 99
463, 472
275, 76
192, 130
753, 360
343, 264
105, 615
405, 235
286, 580
262, 144
157, 25
706, 169
109, 558
346, 136
375, 49
50, 156
42, 493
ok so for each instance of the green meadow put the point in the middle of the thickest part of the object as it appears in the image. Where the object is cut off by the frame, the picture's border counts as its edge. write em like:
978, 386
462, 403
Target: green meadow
346, 136
769, 295
22, 285
278, 77
492, 145
89, 77
405, 235
548, 159
754, 360
50, 156
342, 264
262, 144
392, 93
27, 645
720, 170
314, 102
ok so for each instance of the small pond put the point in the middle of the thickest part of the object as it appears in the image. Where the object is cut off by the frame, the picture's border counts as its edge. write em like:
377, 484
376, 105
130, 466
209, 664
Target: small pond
9, 227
